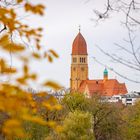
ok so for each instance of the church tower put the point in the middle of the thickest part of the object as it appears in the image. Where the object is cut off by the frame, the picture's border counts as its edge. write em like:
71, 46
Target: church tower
79, 62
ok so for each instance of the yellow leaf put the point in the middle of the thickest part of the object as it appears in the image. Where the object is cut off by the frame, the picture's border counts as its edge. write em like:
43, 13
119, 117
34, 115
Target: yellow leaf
19, 1
9, 70
51, 124
36, 55
33, 76
21, 81
34, 119
47, 105
58, 129
25, 69
13, 127
50, 58
57, 107
52, 85
54, 53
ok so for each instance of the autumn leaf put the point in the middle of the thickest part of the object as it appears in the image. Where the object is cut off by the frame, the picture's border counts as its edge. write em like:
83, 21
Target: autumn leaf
52, 84
57, 107
13, 127
54, 53
25, 69
38, 9
34, 119
50, 58
19, 1
47, 105
22, 80
36, 55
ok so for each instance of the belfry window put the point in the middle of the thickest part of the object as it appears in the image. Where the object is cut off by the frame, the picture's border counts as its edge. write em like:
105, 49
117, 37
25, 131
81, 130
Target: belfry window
84, 60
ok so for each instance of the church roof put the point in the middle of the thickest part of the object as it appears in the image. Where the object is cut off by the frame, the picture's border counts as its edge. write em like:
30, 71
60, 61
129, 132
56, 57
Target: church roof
79, 46
108, 88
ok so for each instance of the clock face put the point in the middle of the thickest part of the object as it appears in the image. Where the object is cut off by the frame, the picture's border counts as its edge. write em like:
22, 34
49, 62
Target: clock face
74, 60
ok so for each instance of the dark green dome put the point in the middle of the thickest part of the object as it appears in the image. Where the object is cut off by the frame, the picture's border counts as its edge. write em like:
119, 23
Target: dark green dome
105, 72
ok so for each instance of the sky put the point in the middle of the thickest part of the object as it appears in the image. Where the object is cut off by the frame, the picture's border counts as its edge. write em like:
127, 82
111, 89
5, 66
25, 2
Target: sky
61, 25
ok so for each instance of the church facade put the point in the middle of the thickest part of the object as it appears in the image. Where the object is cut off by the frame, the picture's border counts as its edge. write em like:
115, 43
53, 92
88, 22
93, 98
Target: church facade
79, 80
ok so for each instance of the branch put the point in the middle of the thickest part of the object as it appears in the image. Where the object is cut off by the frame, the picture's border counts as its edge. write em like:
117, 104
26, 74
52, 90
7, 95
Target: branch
4, 28
125, 61
111, 69
133, 50
119, 60
123, 48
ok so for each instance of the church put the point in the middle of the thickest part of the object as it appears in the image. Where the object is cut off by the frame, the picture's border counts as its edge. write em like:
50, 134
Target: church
79, 80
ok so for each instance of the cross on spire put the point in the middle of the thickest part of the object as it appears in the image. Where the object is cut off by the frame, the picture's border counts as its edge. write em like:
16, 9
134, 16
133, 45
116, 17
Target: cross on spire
79, 28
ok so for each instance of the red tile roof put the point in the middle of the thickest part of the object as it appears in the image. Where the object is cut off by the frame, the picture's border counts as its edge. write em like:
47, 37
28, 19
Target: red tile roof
107, 88
79, 46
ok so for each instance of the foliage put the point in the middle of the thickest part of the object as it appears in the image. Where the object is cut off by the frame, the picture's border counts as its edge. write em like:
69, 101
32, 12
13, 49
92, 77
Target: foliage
106, 119
75, 101
17, 105
132, 122
77, 125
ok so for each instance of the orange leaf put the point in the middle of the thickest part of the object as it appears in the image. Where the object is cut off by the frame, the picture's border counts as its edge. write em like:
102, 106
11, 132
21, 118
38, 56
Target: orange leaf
52, 85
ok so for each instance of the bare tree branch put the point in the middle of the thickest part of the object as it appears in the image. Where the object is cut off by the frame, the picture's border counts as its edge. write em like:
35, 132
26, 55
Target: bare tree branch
118, 60
111, 69
4, 28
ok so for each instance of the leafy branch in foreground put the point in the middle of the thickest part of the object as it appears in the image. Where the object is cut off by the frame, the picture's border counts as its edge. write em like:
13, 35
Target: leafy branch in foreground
18, 106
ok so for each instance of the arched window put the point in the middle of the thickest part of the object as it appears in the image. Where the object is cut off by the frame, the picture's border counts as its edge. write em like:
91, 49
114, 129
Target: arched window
80, 59
84, 60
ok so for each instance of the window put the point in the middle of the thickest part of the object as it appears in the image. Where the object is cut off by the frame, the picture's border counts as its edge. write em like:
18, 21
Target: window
74, 69
74, 59
128, 99
84, 60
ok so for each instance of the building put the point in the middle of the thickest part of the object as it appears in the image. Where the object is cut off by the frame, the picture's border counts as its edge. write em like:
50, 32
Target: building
79, 80
130, 98
127, 99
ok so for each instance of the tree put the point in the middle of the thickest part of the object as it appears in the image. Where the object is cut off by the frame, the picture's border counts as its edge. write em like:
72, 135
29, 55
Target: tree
77, 125
131, 127
106, 118
75, 101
